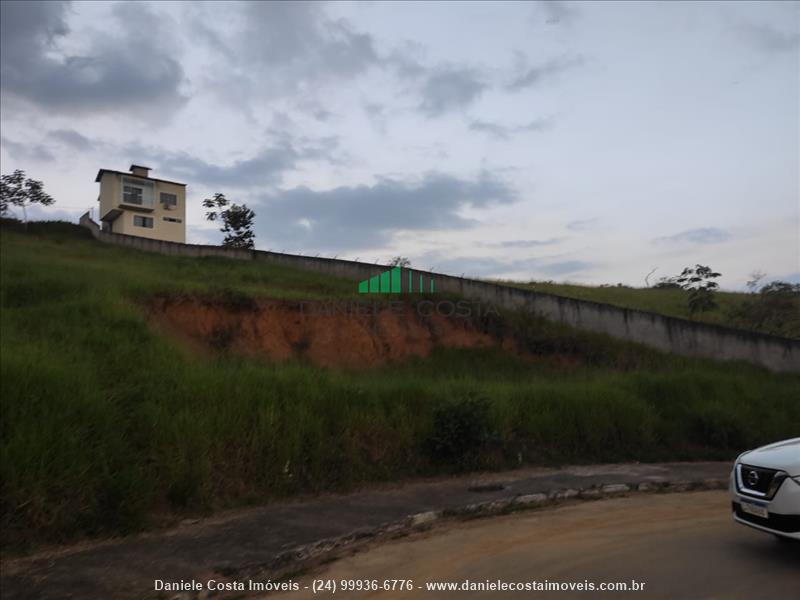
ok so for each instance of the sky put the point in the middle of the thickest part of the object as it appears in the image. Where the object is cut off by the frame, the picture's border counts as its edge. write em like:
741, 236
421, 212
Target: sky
588, 142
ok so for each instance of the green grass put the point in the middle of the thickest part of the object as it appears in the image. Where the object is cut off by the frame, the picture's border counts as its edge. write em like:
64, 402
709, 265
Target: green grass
107, 426
670, 302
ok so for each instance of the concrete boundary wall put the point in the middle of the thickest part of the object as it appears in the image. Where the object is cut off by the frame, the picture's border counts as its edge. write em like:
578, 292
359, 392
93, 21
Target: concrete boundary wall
668, 334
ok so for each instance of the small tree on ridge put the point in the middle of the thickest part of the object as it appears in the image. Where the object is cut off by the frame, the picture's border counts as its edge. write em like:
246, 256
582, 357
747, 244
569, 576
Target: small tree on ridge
237, 221
400, 261
698, 281
17, 190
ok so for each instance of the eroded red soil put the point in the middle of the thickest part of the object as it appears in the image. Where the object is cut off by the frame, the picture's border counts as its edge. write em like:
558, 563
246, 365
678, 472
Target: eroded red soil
326, 334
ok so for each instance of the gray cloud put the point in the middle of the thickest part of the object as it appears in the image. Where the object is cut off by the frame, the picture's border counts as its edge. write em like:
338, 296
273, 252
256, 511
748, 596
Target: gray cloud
266, 51
119, 72
284, 48
768, 38
378, 115
404, 62
533, 75
568, 267
315, 109
267, 167
28, 28
503, 132
374, 110
556, 12
278, 49
442, 88
288, 33
366, 216
71, 138
470, 266
485, 266
582, 224
702, 235
450, 88
26, 152
527, 243
202, 27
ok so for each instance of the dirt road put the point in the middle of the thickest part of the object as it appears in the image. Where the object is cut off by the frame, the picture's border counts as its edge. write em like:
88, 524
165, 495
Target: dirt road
250, 542
677, 545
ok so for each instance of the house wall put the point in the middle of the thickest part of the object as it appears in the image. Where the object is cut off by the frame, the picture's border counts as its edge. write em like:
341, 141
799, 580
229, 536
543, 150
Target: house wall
110, 192
111, 195
668, 334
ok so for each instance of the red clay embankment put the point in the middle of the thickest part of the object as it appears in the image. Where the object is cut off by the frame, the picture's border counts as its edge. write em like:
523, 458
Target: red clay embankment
327, 334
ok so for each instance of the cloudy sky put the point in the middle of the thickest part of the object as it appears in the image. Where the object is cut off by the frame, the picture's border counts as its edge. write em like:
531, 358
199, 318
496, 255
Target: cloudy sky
586, 142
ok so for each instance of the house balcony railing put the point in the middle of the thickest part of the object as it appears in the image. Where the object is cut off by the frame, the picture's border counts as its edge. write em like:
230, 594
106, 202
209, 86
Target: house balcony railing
141, 205
141, 202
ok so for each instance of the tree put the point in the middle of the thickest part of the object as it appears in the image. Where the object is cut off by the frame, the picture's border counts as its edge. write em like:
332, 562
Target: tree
755, 279
400, 261
647, 277
237, 221
667, 283
698, 281
775, 309
17, 190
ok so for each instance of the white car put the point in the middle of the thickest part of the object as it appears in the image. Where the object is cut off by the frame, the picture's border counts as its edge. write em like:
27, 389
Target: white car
765, 489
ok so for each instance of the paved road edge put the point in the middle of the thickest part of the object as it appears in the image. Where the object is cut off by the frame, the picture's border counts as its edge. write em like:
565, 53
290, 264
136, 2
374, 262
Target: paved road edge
304, 557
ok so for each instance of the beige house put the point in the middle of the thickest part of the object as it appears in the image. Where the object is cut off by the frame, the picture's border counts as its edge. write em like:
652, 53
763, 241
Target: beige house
136, 204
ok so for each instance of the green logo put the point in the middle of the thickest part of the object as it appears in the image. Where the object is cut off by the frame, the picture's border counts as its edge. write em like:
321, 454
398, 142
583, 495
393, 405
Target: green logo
391, 282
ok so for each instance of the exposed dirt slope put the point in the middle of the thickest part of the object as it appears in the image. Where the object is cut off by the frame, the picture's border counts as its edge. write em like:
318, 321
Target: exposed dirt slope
323, 333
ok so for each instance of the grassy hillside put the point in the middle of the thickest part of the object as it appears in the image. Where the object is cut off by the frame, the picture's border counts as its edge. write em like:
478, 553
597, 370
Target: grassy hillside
109, 427
672, 302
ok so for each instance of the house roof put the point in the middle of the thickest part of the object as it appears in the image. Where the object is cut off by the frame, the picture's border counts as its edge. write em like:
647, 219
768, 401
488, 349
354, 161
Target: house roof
101, 171
132, 167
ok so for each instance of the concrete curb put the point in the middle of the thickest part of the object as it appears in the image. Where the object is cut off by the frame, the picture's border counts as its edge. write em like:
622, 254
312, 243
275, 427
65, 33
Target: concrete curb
304, 557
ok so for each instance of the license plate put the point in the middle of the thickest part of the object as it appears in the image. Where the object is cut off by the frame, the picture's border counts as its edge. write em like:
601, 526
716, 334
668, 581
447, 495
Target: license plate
755, 509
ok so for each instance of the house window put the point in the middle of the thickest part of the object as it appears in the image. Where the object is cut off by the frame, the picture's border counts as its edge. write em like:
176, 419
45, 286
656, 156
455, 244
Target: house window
169, 201
172, 219
137, 192
132, 195
143, 221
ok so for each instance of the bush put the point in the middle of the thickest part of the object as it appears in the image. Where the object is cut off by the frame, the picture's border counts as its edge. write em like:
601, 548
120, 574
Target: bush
461, 433
775, 310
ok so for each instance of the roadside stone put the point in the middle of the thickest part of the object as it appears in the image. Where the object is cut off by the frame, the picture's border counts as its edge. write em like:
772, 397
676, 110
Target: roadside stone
615, 488
648, 486
590, 493
393, 528
363, 533
469, 509
498, 505
531, 499
423, 518
564, 494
